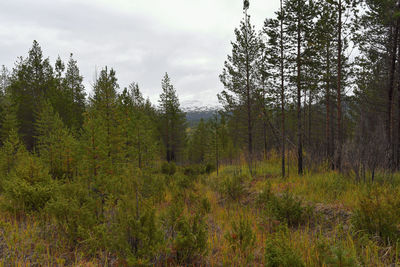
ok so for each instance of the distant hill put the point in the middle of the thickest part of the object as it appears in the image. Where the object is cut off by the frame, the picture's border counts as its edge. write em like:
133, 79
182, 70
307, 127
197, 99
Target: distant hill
195, 114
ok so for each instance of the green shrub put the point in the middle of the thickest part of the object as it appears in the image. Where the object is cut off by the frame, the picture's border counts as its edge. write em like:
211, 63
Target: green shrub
284, 208
205, 206
241, 238
191, 238
168, 168
232, 187
341, 257
153, 186
134, 235
292, 211
183, 181
28, 187
210, 167
378, 214
74, 211
187, 233
279, 253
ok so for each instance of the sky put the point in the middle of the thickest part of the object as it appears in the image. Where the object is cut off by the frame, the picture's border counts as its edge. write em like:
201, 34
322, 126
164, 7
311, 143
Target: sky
140, 39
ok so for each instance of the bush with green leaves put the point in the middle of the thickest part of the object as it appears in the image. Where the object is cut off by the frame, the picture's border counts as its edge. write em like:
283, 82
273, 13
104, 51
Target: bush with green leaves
191, 238
135, 234
168, 168
279, 252
285, 207
188, 233
241, 238
153, 186
74, 211
28, 186
339, 256
232, 187
378, 214
210, 167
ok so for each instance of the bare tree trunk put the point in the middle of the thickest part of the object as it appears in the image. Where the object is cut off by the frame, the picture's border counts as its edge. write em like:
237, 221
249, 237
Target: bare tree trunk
309, 117
249, 117
389, 118
328, 107
282, 96
216, 144
339, 92
398, 94
299, 125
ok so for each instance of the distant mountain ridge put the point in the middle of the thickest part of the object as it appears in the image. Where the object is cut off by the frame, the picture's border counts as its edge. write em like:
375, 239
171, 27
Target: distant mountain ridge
195, 113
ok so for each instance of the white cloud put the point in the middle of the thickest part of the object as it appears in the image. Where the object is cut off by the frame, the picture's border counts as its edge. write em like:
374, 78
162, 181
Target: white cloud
140, 39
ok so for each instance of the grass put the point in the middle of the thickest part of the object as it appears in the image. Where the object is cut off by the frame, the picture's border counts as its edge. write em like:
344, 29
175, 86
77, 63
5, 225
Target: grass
326, 239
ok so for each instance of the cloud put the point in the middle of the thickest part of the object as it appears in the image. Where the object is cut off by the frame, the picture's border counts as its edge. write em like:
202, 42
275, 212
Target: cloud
141, 40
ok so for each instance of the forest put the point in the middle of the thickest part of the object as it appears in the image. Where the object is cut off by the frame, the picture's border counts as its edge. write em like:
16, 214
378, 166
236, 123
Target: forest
299, 165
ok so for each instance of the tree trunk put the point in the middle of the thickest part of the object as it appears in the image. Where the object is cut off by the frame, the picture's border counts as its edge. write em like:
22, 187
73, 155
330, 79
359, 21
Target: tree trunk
282, 95
339, 92
249, 117
398, 93
329, 146
299, 126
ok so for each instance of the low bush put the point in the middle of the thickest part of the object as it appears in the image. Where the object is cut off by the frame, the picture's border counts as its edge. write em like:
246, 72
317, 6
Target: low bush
187, 233
241, 238
28, 187
73, 211
232, 187
284, 208
191, 239
168, 168
134, 235
279, 252
378, 214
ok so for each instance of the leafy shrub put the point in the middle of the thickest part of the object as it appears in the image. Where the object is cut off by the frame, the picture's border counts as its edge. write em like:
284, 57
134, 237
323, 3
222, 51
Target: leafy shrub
205, 206
284, 208
340, 257
232, 187
135, 235
153, 186
168, 168
241, 238
28, 187
73, 210
199, 169
191, 238
279, 253
378, 213
210, 167
188, 234
184, 181
287, 208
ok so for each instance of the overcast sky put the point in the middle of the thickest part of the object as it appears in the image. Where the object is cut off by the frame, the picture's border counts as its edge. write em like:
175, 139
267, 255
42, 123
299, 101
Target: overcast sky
140, 39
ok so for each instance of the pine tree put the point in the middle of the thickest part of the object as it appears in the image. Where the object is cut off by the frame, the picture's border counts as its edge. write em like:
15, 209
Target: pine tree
298, 18
238, 77
105, 107
137, 127
9, 119
54, 143
75, 92
31, 81
172, 121
199, 143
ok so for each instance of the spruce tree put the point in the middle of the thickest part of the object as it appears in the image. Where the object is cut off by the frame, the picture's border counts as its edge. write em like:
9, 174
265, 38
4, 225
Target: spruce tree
30, 83
75, 91
54, 143
238, 77
172, 121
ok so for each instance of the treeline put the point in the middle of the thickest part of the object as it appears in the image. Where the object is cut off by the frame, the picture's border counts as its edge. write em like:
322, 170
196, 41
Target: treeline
318, 84
91, 170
